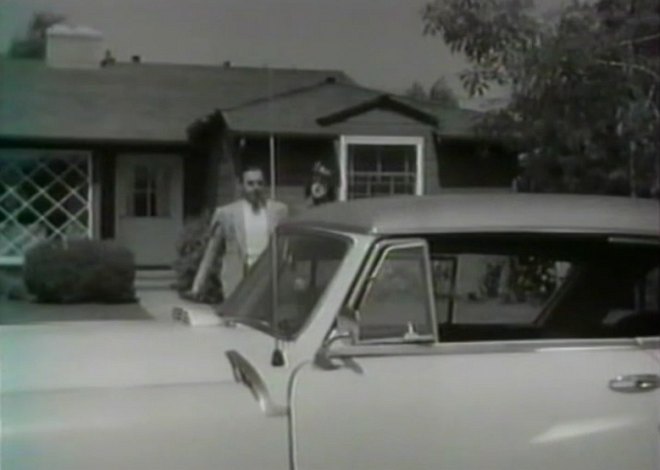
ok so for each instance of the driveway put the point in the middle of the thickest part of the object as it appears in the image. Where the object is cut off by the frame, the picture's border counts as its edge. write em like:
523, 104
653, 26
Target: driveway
153, 303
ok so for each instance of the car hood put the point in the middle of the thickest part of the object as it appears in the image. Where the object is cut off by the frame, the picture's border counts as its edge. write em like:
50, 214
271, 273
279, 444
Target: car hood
121, 354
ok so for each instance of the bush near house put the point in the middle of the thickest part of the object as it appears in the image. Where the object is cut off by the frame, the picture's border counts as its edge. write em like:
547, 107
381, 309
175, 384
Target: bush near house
80, 271
11, 285
190, 250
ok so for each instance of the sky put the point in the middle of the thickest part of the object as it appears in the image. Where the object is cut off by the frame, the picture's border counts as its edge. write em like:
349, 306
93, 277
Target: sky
379, 43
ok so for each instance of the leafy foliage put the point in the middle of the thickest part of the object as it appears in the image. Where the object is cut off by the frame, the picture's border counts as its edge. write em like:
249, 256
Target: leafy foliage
33, 45
439, 93
80, 271
190, 251
584, 106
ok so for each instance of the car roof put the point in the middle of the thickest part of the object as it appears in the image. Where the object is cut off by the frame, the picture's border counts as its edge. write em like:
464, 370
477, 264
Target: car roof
487, 212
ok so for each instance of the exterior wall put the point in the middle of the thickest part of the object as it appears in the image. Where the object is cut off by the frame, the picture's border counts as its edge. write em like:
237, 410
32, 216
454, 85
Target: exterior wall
67, 48
195, 185
96, 196
381, 122
294, 159
105, 164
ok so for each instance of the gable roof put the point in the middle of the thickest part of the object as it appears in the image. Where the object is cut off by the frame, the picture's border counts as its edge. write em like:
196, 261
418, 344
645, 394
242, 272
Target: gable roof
315, 109
125, 102
297, 112
388, 102
158, 103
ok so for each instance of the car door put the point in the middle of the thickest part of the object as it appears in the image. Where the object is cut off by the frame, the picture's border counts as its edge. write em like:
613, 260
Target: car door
392, 398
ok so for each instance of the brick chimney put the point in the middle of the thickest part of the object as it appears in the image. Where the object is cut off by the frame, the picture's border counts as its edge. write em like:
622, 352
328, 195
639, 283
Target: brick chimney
73, 47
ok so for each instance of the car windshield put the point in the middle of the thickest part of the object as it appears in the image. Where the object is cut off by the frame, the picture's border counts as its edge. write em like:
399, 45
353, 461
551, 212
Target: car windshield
280, 291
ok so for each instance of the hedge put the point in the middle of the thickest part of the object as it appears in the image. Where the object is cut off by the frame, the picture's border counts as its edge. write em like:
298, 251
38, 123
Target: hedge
190, 250
80, 271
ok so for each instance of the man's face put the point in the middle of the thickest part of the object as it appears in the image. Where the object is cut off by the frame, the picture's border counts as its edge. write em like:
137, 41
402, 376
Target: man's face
254, 188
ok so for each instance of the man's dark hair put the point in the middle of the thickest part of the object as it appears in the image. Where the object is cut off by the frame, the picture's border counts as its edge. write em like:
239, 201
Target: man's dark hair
251, 167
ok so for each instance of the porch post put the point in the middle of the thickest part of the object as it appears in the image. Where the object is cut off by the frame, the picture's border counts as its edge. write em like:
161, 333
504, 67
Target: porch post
343, 168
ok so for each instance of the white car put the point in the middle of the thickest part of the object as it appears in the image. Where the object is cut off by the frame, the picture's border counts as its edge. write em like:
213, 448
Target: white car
448, 332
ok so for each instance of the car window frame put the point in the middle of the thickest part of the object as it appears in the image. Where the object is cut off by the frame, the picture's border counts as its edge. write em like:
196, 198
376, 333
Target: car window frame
368, 275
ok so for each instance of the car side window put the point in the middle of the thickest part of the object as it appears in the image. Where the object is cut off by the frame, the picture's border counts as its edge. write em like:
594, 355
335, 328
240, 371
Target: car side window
479, 288
395, 304
507, 288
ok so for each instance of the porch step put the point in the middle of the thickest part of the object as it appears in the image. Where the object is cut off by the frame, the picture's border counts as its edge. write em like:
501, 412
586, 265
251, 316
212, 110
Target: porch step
154, 278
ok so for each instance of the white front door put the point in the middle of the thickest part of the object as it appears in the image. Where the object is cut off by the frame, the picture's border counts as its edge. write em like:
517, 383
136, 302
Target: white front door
149, 206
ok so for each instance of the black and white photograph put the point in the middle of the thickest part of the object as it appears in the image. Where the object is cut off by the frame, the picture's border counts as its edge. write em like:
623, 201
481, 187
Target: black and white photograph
329, 234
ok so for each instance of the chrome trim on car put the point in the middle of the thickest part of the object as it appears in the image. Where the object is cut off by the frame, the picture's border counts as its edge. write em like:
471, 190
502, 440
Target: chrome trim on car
649, 342
246, 374
619, 239
489, 347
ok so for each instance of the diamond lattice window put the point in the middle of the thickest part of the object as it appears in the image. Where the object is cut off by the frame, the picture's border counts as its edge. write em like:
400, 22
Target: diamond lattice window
43, 195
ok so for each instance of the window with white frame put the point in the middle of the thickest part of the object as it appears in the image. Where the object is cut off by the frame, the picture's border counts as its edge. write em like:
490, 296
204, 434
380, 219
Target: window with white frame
149, 191
381, 166
43, 195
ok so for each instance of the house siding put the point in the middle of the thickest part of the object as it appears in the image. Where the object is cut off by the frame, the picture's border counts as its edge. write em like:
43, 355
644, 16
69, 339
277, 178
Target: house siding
294, 159
195, 170
106, 162
382, 122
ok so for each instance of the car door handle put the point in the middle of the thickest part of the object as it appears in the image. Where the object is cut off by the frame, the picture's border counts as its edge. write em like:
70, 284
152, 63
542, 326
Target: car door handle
635, 383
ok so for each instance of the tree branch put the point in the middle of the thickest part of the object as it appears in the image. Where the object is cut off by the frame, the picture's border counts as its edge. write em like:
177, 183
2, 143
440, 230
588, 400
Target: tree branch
641, 39
637, 67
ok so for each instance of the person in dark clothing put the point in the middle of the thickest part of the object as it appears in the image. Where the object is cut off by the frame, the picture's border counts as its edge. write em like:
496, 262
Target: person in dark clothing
321, 187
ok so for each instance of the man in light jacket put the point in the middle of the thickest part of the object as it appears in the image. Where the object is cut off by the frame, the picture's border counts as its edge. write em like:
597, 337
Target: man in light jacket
243, 229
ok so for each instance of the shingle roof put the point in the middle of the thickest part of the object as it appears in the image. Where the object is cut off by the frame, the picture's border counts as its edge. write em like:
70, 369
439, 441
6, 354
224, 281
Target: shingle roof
123, 102
297, 112
313, 110
159, 102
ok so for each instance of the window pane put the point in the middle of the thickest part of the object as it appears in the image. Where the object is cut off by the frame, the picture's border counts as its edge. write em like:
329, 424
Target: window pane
142, 178
503, 289
381, 170
306, 264
396, 302
140, 207
363, 157
43, 195
506, 289
162, 193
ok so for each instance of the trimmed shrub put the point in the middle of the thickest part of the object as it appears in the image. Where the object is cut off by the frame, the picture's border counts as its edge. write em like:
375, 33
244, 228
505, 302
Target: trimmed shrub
190, 250
12, 286
80, 271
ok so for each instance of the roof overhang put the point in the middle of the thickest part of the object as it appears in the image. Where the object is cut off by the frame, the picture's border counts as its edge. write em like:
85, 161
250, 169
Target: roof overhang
72, 143
381, 102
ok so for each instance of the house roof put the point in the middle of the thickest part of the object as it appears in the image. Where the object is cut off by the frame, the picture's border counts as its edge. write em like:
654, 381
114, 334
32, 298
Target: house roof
315, 109
125, 102
159, 102
298, 111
